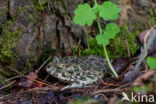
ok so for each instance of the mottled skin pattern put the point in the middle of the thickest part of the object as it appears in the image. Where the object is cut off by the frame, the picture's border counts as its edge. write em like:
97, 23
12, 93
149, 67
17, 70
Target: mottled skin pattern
79, 72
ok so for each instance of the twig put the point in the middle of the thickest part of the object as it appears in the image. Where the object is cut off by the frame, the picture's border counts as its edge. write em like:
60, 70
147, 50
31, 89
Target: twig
38, 89
108, 90
7, 85
129, 54
46, 77
4, 96
125, 85
12, 78
78, 44
32, 79
44, 63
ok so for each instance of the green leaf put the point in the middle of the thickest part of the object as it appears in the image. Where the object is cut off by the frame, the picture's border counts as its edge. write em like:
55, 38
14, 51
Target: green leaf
109, 11
111, 30
84, 14
109, 33
151, 62
102, 39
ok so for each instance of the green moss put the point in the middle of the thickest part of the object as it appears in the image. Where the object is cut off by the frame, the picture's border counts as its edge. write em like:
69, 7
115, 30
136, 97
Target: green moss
4, 79
40, 5
84, 100
7, 42
63, 4
3, 75
117, 47
152, 19
94, 48
138, 89
3, 13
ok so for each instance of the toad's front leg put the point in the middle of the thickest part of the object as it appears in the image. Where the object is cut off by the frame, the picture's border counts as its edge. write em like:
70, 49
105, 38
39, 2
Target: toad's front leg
82, 82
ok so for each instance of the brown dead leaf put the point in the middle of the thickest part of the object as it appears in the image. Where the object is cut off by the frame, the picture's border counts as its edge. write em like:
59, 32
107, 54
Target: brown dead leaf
25, 82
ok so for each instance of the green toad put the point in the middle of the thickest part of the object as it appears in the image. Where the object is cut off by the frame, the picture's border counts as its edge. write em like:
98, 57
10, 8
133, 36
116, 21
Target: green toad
78, 72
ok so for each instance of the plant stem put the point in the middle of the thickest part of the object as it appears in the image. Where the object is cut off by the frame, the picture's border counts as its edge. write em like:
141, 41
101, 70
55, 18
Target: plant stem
99, 25
109, 63
105, 51
95, 2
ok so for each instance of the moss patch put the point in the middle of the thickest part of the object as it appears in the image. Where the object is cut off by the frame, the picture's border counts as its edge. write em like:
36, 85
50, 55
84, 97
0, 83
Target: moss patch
152, 19
124, 40
40, 5
7, 42
117, 47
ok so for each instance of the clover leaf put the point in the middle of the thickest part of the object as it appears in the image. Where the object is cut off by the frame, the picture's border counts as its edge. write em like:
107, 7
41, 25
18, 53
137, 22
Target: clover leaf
109, 11
109, 33
151, 62
84, 14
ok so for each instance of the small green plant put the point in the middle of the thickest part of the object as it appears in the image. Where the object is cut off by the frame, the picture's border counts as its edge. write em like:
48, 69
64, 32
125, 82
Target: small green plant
94, 48
85, 15
151, 62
